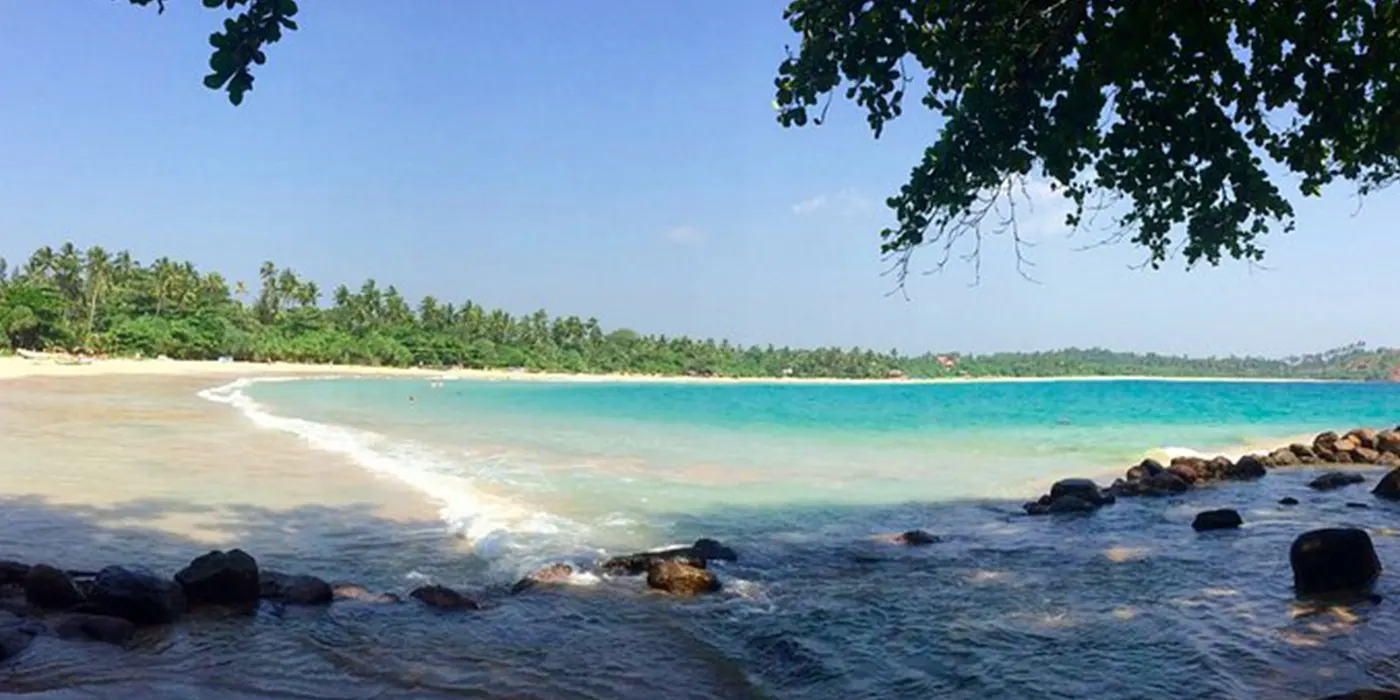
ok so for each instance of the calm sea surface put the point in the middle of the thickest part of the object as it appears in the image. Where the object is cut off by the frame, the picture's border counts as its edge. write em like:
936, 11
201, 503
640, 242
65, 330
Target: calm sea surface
1129, 603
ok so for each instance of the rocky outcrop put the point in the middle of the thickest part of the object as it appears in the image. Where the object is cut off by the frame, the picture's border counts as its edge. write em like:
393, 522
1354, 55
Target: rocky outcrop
443, 598
294, 589
136, 594
99, 628
552, 574
1389, 486
1222, 519
47, 587
221, 578
1333, 560
1070, 496
699, 554
678, 578
1330, 481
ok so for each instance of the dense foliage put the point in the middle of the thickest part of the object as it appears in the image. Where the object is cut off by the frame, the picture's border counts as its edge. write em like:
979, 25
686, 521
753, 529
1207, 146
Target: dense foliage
1174, 110
95, 302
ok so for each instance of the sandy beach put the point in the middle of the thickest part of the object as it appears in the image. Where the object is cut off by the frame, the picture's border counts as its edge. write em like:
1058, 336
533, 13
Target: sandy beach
16, 367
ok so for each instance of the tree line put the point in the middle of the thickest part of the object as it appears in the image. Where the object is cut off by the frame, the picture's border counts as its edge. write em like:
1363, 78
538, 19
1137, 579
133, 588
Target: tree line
98, 303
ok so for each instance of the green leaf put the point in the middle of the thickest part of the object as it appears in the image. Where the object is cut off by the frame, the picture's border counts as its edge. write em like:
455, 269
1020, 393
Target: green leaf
288, 7
211, 4
214, 81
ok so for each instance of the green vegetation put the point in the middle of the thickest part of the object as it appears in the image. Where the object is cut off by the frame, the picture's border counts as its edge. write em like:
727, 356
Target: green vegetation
95, 302
1163, 114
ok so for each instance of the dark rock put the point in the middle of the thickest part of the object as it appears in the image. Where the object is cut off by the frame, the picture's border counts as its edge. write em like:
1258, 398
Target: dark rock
101, 628
1365, 455
1185, 472
1333, 560
1144, 469
136, 594
1389, 486
1164, 484
678, 578
13, 572
1223, 519
1366, 695
1335, 480
1071, 504
554, 573
712, 550
1284, 457
1084, 489
1326, 441
916, 538
1357, 505
294, 589
221, 578
443, 598
637, 564
47, 587
1247, 467
1303, 452
352, 591
1288, 501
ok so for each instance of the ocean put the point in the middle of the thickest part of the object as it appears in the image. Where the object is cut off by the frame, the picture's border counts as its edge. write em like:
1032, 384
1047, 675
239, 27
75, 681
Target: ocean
800, 479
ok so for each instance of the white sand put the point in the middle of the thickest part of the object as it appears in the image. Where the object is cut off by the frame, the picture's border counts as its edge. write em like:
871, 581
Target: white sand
17, 367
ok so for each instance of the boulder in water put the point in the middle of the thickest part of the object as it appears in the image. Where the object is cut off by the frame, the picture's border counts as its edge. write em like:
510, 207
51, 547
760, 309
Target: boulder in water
1222, 519
1146, 468
699, 554
1365, 437
136, 594
443, 598
13, 573
1345, 445
1246, 468
221, 578
294, 589
1389, 486
1365, 455
1284, 457
552, 574
100, 628
353, 591
47, 587
1388, 441
1084, 489
1388, 459
1288, 501
1333, 560
678, 578
916, 538
1335, 480
712, 550
1305, 454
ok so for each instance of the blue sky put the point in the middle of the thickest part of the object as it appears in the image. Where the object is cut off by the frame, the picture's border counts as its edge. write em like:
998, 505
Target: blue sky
618, 159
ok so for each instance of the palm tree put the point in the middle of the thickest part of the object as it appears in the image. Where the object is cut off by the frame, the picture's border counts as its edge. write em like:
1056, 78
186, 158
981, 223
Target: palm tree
98, 277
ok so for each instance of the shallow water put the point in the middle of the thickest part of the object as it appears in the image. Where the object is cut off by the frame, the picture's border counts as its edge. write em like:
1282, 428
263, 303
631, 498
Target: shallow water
349, 480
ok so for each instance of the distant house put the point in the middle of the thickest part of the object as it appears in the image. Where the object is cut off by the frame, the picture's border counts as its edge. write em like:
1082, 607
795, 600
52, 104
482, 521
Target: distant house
896, 374
787, 371
947, 361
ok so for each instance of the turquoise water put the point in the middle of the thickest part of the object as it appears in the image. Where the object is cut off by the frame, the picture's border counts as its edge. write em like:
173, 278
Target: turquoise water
1127, 603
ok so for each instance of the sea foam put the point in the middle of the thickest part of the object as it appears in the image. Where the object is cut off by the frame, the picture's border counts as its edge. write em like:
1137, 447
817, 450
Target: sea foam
493, 525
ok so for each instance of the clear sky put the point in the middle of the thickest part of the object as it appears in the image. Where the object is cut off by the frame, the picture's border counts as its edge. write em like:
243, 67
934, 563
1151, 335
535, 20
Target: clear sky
618, 160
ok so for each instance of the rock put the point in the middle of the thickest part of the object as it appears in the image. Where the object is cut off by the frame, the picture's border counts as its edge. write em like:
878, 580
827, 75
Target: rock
1223, 519
1325, 441
1335, 480
1346, 444
356, 592
1165, 483
1353, 504
554, 573
1365, 455
1389, 486
294, 589
1284, 457
638, 564
221, 578
1388, 441
1304, 453
1185, 472
916, 538
1388, 459
1365, 437
1084, 489
711, 550
136, 594
1247, 467
678, 578
1340, 458
443, 598
47, 587
1144, 469
1333, 560
1288, 501
1070, 504
100, 628
13, 572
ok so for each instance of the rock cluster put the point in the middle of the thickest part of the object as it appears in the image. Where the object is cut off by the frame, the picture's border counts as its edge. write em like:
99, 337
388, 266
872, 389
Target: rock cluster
680, 571
1070, 496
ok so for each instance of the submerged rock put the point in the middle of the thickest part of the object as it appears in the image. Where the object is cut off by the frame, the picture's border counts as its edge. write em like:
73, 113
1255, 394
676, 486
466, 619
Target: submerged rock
1389, 486
136, 594
916, 538
1335, 480
13, 573
294, 589
699, 555
443, 598
678, 578
712, 550
1333, 560
1288, 501
1358, 505
1222, 519
100, 628
47, 587
342, 590
221, 578
552, 574
1071, 496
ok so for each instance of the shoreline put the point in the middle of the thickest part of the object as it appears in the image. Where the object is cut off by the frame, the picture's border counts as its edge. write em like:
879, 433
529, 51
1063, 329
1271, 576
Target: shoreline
19, 367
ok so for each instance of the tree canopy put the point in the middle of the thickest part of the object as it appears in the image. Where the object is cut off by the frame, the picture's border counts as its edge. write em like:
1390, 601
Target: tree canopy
241, 43
1174, 117
97, 302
